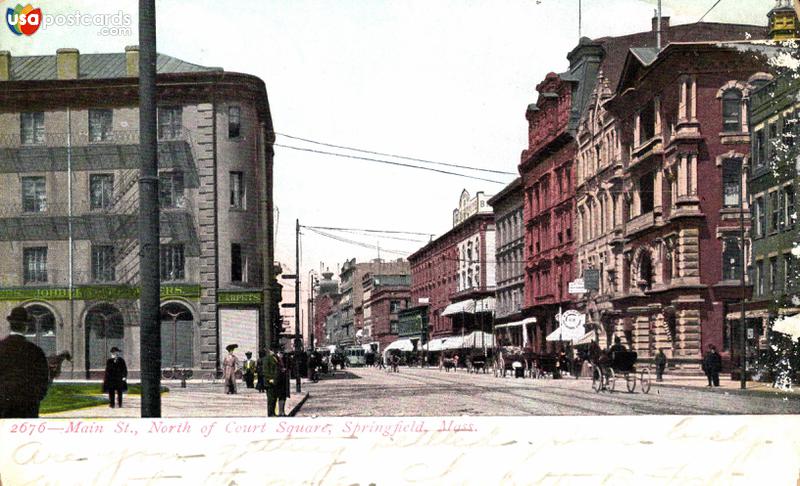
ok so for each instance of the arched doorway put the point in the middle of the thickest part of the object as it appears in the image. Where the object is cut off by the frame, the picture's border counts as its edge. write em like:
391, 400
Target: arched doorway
42, 328
177, 335
104, 329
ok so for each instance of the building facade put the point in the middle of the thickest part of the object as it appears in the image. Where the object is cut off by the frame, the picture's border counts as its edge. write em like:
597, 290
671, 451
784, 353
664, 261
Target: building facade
686, 152
68, 242
456, 269
600, 162
385, 295
509, 257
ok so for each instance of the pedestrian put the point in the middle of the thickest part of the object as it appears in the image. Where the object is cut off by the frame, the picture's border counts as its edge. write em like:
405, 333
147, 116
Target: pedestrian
260, 386
282, 384
229, 366
115, 378
661, 364
24, 375
269, 365
249, 368
455, 363
381, 364
712, 365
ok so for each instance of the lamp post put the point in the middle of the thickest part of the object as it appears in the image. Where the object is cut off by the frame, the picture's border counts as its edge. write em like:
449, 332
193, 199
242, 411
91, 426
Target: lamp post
313, 283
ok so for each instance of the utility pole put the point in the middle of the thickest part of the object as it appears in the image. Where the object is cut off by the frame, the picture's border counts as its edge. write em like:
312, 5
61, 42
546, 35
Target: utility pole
150, 281
297, 345
742, 324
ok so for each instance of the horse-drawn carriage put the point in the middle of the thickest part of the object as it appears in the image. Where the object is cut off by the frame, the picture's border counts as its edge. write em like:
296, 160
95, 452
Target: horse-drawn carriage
623, 363
476, 362
512, 360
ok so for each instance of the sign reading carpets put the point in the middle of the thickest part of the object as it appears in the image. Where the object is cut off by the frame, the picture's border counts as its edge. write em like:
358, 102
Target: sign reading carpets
239, 297
95, 292
239, 326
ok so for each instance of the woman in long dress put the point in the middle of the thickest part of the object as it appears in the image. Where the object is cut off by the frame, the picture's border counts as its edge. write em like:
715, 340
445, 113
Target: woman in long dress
229, 366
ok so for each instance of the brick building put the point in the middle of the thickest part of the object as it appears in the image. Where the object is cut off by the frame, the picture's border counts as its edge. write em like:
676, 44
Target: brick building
385, 295
456, 270
326, 290
599, 166
686, 152
68, 243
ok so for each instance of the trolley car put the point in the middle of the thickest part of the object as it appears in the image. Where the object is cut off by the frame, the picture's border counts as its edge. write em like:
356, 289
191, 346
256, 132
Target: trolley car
355, 356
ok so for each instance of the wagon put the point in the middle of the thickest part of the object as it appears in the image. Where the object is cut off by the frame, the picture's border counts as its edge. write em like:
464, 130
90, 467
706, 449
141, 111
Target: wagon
624, 365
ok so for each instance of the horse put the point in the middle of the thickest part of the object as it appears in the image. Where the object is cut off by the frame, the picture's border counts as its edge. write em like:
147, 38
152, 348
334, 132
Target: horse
54, 363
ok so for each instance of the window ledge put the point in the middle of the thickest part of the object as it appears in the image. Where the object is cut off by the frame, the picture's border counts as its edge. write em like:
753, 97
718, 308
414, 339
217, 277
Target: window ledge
728, 138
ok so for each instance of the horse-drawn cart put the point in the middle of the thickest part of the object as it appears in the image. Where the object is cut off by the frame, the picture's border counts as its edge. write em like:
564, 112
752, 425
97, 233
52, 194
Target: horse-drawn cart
623, 365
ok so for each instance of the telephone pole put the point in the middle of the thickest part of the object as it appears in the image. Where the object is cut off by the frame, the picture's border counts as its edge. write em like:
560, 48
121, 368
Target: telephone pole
297, 343
150, 280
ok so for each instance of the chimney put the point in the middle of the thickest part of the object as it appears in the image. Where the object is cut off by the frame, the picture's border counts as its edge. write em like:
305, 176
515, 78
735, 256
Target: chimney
67, 61
132, 60
5, 66
664, 30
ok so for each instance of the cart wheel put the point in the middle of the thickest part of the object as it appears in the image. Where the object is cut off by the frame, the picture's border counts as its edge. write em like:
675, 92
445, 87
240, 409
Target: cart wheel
646, 382
611, 380
597, 380
630, 382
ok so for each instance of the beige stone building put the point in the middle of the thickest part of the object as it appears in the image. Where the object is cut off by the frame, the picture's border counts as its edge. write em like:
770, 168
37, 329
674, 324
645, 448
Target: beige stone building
68, 212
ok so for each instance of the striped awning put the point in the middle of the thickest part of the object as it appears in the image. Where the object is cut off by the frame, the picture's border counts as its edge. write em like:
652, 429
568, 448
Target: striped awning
463, 307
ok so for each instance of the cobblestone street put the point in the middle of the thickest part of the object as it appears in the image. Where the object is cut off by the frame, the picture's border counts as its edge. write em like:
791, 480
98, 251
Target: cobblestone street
431, 392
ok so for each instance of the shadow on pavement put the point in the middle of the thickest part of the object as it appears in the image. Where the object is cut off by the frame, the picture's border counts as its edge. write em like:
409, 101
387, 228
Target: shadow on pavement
339, 375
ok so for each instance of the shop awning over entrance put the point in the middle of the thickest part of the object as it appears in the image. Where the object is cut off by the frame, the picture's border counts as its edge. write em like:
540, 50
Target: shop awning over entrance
465, 307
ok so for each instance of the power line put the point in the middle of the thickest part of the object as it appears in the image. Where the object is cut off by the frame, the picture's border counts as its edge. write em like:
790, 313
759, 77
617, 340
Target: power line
384, 154
399, 164
357, 243
709, 11
330, 228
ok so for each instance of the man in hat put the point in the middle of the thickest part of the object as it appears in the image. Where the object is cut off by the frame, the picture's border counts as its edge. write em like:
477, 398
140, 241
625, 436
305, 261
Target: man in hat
24, 375
269, 365
115, 379
249, 368
229, 366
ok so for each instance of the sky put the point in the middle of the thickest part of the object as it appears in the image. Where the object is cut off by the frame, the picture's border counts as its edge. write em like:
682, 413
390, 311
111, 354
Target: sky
443, 80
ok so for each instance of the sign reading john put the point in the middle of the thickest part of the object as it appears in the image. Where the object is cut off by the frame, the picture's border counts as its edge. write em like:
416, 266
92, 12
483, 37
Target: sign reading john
572, 325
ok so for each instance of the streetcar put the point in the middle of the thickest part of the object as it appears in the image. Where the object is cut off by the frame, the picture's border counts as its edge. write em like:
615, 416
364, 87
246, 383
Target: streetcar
355, 355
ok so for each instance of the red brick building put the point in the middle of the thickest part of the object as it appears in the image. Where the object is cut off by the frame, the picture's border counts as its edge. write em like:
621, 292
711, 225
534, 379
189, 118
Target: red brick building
384, 297
457, 267
324, 302
686, 153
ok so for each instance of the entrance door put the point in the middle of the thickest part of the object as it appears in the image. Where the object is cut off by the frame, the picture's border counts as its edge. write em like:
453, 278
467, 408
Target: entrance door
105, 329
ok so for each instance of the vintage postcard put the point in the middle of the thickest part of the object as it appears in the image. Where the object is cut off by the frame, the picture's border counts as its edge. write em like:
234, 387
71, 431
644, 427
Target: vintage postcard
390, 242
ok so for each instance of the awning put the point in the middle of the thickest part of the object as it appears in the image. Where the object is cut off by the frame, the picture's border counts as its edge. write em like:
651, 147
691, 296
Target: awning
485, 305
478, 339
401, 345
465, 307
452, 342
556, 335
434, 345
509, 324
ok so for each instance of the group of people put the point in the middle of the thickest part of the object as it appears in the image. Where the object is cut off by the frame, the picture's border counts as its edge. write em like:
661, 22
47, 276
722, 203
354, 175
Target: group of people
269, 374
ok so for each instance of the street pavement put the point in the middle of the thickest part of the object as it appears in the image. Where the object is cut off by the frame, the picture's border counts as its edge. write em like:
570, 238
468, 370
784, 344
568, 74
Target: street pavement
431, 392
198, 399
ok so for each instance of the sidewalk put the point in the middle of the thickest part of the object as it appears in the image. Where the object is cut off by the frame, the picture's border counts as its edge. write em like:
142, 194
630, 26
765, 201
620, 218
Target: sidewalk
725, 384
196, 400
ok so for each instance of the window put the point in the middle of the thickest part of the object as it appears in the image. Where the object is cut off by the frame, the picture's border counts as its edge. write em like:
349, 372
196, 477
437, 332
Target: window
759, 148
760, 216
731, 259
646, 193
647, 122
172, 262
732, 111
237, 190
790, 271
789, 206
771, 139
394, 306
170, 190
31, 128
775, 209
103, 263
100, 125
234, 121
170, 125
393, 327
760, 277
101, 190
34, 262
34, 195
237, 263
773, 275
731, 182
42, 328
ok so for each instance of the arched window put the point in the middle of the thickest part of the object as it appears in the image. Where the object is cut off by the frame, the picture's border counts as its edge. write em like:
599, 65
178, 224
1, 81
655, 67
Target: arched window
42, 328
104, 330
176, 335
732, 110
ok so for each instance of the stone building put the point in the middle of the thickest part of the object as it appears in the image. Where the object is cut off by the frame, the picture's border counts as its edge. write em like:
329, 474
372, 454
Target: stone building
510, 264
685, 146
454, 272
68, 224
599, 168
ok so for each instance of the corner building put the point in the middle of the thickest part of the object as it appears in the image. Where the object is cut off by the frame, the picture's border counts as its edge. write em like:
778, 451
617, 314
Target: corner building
69, 163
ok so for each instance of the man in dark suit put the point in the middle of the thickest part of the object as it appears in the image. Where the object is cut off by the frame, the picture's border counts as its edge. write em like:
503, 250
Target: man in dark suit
115, 379
24, 374
712, 365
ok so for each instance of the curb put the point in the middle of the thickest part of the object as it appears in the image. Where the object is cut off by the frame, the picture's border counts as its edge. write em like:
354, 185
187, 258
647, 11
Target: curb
297, 407
738, 391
